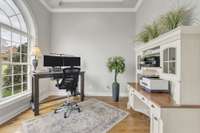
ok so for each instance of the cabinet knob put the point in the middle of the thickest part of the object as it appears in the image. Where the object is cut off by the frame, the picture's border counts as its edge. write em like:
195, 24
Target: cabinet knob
143, 99
155, 118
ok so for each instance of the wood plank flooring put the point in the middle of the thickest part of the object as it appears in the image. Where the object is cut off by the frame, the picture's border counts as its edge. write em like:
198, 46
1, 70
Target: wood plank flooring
134, 123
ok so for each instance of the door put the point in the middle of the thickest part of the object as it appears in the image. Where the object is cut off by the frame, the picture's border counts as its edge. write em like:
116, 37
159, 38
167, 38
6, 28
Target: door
170, 60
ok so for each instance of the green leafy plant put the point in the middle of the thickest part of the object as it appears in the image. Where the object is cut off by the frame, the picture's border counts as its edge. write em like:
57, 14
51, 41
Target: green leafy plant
150, 32
116, 64
174, 18
167, 22
143, 36
153, 30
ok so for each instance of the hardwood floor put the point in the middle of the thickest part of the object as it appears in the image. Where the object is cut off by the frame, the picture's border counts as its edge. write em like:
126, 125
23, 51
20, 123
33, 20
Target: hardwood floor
134, 123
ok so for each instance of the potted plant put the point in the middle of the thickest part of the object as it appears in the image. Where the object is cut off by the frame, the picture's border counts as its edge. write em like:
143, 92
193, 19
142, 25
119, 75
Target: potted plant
116, 65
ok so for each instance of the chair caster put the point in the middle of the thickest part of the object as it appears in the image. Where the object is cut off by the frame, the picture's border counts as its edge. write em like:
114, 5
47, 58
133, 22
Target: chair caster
79, 110
55, 111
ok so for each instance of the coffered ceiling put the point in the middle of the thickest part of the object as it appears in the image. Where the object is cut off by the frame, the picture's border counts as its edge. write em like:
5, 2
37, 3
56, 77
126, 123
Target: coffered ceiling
92, 5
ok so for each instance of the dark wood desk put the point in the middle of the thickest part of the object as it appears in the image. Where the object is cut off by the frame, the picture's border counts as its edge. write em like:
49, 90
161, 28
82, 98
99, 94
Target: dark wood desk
35, 87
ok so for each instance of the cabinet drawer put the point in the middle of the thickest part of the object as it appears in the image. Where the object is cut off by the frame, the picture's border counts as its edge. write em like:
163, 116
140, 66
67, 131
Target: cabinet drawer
142, 98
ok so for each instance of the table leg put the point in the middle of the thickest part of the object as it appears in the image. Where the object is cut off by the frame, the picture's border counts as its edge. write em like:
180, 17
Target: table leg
36, 95
82, 86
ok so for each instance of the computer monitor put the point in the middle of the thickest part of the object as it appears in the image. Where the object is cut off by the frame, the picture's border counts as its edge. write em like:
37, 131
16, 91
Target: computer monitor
54, 61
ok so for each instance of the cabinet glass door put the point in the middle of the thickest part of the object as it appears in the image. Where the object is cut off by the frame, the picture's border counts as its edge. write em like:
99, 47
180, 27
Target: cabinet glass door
139, 62
169, 60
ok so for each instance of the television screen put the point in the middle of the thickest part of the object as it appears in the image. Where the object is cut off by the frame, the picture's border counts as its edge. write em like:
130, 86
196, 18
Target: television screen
53, 61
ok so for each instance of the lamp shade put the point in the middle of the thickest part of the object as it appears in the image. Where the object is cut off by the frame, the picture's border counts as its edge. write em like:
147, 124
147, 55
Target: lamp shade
36, 52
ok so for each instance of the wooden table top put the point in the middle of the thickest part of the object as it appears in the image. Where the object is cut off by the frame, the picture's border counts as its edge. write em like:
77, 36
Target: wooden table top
163, 100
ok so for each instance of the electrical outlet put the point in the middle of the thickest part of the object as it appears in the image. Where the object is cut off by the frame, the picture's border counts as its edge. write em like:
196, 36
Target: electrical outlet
108, 87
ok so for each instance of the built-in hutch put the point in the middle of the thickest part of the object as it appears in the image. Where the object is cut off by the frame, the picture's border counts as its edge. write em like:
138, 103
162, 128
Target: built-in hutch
177, 111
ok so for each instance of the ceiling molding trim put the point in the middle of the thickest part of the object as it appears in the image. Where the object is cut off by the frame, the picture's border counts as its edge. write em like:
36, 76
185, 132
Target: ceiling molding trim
74, 1
93, 10
138, 5
46, 5
60, 10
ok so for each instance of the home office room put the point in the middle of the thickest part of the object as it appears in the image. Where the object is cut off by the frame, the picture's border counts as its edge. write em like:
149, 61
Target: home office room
99, 66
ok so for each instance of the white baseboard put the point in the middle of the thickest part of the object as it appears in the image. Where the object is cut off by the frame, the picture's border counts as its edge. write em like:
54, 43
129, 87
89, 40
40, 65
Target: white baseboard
61, 93
104, 94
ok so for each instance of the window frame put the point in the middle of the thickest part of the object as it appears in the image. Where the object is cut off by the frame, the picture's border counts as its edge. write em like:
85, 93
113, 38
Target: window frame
22, 64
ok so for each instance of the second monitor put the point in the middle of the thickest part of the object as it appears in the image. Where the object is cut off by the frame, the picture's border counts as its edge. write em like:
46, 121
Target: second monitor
54, 61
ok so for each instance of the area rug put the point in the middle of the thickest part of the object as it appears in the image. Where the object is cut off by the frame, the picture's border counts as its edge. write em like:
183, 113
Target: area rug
95, 117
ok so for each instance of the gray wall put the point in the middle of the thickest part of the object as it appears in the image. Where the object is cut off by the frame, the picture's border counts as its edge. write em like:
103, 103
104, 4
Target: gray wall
95, 37
43, 21
152, 9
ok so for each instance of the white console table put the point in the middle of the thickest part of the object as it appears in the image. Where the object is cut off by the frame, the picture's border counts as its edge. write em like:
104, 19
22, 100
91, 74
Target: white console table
165, 115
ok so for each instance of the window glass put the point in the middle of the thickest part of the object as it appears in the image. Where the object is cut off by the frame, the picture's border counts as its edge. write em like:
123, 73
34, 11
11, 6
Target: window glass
5, 34
5, 50
25, 78
172, 54
3, 18
17, 69
172, 67
17, 89
14, 7
7, 81
6, 8
17, 79
15, 22
16, 57
165, 55
6, 69
165, 67
6, 92
25, 87
14, 50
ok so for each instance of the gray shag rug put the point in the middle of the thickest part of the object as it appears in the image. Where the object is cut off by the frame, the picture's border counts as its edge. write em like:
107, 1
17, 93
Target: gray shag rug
95, 117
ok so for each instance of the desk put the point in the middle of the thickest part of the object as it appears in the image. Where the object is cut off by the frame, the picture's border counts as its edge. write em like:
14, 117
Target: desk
165, 115
35, 87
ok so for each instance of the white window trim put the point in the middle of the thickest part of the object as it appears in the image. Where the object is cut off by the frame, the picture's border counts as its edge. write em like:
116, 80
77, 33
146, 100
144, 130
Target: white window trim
28, 64
20, 63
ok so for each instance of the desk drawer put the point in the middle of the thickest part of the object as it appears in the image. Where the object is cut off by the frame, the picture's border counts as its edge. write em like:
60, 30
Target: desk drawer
155, 110
142, 98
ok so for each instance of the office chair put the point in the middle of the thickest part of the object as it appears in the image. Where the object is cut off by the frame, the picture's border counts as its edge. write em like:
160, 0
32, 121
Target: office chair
70, 84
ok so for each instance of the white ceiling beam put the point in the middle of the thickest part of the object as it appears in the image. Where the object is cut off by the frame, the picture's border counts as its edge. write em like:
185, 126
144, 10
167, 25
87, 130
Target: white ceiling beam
93, 10
77, 1
59, 10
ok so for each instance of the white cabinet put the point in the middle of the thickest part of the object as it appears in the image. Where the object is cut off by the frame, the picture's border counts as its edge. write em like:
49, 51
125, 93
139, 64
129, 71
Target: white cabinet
179, 52
155, 126
156, 121
179, 62
130, 98
165, 119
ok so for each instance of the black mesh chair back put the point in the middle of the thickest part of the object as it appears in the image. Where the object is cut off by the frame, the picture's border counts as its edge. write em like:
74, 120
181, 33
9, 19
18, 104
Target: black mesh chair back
70, 80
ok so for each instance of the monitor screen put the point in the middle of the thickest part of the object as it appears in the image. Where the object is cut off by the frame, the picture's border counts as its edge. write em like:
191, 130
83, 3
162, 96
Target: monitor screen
71, 61
53, 61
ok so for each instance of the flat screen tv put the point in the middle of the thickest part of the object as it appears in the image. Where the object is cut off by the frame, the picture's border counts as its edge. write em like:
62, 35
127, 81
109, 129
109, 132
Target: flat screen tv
54, 61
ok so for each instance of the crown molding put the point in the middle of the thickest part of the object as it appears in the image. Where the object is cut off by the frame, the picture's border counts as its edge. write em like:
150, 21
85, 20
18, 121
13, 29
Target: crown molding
73, 1
60, 10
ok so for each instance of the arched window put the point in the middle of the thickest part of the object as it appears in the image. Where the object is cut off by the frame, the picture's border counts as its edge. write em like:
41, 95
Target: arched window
14, 51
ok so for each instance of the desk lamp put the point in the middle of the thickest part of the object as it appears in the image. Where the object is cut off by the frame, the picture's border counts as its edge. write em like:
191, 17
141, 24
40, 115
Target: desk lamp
36, 53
